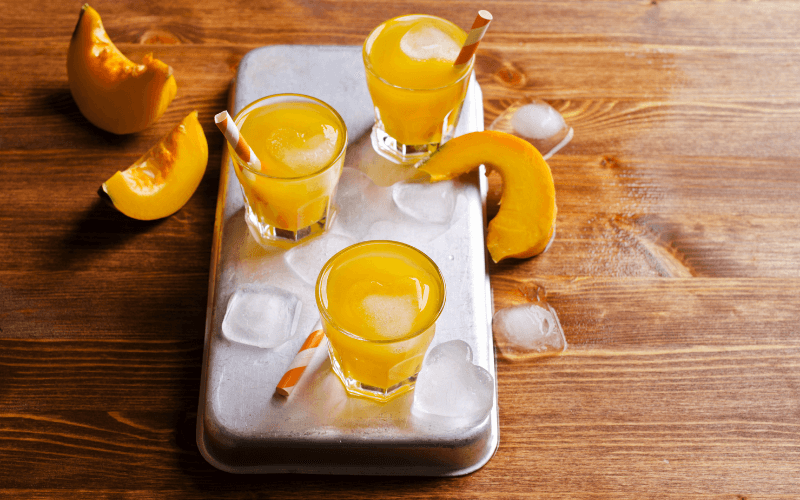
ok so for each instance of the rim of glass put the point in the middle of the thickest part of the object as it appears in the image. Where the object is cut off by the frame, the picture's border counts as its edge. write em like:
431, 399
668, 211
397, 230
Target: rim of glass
368, 64
329, 264
290, 97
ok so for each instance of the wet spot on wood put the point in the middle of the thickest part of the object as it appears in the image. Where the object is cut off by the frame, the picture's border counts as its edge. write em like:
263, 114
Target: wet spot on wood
609, 162
511, 76
158, 37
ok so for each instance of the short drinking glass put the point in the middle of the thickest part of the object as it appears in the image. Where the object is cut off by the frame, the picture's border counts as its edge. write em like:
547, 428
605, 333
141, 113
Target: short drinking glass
379, 302
416, 89
300, 142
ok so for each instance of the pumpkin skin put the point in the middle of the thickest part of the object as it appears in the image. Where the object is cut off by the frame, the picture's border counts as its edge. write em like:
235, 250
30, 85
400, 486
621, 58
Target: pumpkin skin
113, 92
161, 182
526, 220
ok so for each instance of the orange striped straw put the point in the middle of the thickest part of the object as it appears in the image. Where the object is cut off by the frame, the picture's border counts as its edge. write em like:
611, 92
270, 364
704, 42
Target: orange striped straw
315, 340
237, 142
474, 37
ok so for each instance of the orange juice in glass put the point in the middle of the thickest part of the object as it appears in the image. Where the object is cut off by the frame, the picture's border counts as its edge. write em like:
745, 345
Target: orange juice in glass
300, 142
416, 89
379, 302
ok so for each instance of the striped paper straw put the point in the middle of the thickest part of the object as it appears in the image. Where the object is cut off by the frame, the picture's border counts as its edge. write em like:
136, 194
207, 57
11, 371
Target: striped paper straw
474, 37
237, 142
316, 340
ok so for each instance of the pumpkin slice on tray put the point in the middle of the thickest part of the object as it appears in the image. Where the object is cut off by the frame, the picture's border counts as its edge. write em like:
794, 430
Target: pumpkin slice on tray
526, 221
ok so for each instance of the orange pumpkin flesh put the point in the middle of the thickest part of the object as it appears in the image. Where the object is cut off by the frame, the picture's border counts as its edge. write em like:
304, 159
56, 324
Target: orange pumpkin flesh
526, 219
161, 182
112, 92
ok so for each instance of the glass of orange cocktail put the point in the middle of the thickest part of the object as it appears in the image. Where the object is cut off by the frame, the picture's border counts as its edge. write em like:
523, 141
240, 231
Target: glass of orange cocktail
300, 142
416, 88
379, 302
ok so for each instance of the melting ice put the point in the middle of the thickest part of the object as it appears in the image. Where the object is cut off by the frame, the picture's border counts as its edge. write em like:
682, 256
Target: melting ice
261, 316
400, 212
538, 123
428, 202
449, 385
306, 260
530, 328
390, 309
424, 41
359, 203
390, 316
306, 153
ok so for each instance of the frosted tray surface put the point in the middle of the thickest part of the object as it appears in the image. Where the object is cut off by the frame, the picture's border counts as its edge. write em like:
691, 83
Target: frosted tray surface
242, 426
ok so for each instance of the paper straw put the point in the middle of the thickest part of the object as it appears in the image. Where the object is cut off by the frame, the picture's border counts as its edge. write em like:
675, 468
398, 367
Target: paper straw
474, 37
231, 133
316, 340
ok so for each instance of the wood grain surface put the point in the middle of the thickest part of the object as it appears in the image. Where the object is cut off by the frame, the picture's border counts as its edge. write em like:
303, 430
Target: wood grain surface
675, 270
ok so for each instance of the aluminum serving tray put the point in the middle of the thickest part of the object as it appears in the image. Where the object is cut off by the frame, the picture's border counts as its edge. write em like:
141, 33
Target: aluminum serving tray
242, 426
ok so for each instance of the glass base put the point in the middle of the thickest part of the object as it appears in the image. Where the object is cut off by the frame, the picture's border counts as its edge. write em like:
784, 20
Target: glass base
356, 388
402, 154
270, 236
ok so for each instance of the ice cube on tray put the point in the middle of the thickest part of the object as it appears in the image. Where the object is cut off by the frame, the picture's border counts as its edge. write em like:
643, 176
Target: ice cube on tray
261, 316
450, 385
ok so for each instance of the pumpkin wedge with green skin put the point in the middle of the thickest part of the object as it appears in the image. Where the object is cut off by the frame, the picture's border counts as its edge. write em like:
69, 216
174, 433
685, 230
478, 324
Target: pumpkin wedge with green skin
163, 180
526, 220
113, 92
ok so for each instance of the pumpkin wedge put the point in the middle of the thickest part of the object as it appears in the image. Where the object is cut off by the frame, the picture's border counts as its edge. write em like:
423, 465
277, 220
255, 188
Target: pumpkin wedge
113, 92
159, 183
526, 220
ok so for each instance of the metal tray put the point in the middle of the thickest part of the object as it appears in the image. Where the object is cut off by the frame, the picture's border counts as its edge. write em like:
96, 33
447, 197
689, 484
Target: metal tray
242, 426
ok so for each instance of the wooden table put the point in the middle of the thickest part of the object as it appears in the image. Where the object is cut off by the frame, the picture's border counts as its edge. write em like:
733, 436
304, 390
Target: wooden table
675, 271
